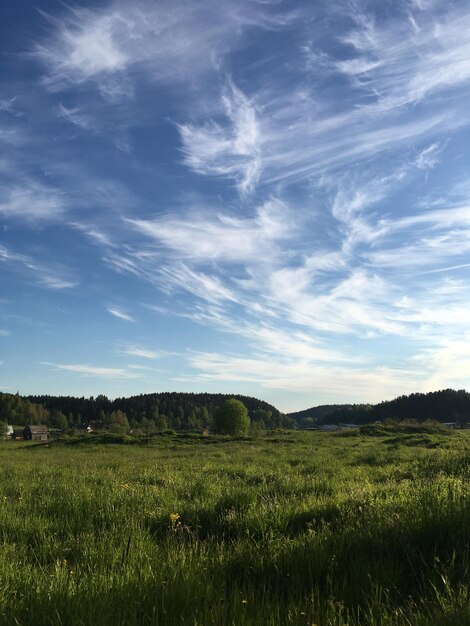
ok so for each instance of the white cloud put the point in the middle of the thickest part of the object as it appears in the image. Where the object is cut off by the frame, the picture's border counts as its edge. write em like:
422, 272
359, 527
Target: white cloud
448, 362
31, 201
231, 150
428, 158
74, 116
403, 67
8, 105
292, 154
94, 371
139, 351
4, 332
11, 136
171, 42
94, 233
426, 241
353, 384
86, 44
200, 284
120, 314
55, 282
222, 237
44, 275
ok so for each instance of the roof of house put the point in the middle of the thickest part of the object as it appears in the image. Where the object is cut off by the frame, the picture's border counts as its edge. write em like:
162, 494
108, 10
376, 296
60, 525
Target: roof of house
38, 428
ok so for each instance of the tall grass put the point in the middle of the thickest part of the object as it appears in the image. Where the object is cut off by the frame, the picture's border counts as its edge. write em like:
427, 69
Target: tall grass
303, 528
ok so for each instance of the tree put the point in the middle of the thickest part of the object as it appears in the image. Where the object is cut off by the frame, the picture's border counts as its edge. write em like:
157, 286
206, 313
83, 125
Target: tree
161, 423
59, 420
232, 418
118, 420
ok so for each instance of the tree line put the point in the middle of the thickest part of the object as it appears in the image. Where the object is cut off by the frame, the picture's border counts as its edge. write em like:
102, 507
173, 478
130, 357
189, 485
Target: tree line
446, 405
157, 411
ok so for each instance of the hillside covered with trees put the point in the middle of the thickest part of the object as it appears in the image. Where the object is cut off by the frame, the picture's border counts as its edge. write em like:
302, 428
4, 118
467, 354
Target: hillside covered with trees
157, 411
446, 405
196, 411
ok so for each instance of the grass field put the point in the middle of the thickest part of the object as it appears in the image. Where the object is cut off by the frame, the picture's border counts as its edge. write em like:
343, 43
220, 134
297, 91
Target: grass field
291, 528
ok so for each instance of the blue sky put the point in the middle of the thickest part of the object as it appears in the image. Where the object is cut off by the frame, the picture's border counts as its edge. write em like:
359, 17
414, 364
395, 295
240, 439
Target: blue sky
246, 196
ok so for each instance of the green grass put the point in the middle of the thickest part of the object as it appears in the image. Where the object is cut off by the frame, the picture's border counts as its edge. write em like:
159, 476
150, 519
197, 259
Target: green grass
293, 528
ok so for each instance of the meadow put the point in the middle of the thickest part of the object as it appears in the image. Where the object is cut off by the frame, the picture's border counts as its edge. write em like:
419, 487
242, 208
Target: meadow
307, 528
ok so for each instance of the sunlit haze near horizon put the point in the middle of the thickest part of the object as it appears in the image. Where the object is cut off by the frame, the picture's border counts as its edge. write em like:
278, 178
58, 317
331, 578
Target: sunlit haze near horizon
258, 197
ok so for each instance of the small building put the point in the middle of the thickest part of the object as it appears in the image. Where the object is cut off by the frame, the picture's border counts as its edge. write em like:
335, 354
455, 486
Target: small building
17, 435
85, 428
37, 432
328, 428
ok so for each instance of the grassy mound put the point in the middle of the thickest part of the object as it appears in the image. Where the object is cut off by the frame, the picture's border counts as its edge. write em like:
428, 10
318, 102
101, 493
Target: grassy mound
405, 427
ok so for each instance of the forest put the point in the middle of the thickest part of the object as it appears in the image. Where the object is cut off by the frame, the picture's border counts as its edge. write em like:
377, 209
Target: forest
446, 405
195, 411
157, 411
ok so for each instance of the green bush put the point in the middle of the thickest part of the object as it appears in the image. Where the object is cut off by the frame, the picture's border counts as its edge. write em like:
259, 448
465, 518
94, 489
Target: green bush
232, 419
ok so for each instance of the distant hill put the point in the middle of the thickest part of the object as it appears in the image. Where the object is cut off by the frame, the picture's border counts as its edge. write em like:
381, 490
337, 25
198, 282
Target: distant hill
180, 411
195, 411
446, 405
317, 412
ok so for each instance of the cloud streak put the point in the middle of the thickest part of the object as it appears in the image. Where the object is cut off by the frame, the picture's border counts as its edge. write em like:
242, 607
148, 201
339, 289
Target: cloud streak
140, 352
83, 369
170, 42
31, 201
44, 276
231, 150
116, 311
221, 237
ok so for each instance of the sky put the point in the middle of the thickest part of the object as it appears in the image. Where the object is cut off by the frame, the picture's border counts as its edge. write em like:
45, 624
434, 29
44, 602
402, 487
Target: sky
262, 197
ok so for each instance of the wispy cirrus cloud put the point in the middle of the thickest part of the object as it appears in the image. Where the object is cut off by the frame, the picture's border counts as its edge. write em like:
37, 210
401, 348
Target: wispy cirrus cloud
203, 285
74, 116
351, 384
221, 237
116, 311
170, 42
43, 274
8, 105
428, 157
399, 65
11, 136
231, 150
31, 201
139, 351
84, 46
84, 369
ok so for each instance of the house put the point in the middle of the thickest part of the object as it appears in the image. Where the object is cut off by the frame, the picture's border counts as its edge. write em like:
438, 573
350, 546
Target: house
85, 428
35, 433
328, 428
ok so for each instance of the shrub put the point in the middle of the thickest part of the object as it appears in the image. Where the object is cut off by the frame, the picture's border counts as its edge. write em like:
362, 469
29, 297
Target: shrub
232, 419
